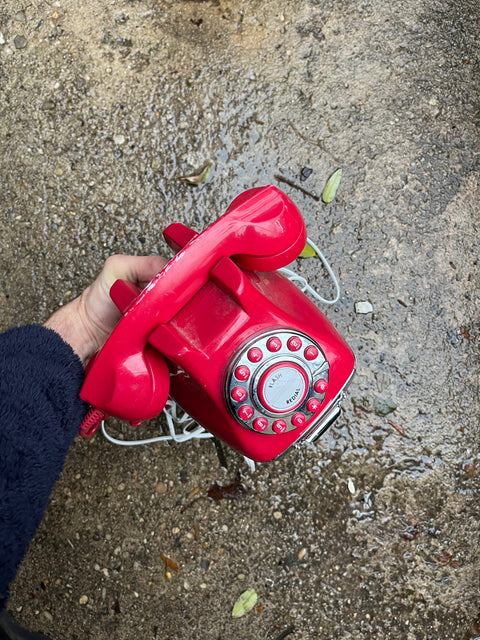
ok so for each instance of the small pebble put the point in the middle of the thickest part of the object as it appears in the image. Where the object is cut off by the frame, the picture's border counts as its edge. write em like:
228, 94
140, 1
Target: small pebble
161, 488
83, 600
277, 515
48, 616
302, 553
241, 576
305, 173
363, 306
48, 105
121, 487
118, 139
2, 39
20, 42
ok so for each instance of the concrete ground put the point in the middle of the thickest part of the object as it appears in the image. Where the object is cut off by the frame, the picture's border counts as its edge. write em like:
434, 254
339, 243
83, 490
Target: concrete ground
374, 530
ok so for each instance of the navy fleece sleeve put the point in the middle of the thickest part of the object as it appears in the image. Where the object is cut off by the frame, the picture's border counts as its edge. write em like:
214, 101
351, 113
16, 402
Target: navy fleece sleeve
40, 413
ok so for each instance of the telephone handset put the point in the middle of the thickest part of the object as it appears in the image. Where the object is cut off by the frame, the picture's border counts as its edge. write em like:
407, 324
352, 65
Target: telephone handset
236, 344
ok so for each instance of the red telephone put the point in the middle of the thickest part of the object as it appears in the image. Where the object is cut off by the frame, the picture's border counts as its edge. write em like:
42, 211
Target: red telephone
235, 343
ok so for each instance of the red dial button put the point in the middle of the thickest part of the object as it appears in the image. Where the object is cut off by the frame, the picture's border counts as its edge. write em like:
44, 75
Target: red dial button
255, 354
279, 426
313, 405
242, 373
245, 412
260, 424
320, 386
274, 344
298, 419
294, 343
238, 394
310, 353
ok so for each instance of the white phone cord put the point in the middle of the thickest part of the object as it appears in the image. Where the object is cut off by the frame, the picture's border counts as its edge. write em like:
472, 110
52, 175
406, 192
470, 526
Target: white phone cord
185, 422
303, 284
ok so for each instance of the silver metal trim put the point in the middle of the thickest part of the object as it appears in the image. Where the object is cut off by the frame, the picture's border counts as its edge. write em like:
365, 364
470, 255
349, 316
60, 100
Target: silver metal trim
314, 370
326, 421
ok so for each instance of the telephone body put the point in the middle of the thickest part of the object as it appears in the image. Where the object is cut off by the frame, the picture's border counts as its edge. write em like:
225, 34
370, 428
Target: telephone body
237, 345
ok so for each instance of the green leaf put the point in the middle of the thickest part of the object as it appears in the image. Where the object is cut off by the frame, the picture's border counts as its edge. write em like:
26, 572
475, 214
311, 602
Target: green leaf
200, 178
245, 603
331, 187
308, 252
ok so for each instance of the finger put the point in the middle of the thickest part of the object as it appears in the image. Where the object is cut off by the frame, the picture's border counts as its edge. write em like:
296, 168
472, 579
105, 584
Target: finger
145, 268
150, 270
137, 269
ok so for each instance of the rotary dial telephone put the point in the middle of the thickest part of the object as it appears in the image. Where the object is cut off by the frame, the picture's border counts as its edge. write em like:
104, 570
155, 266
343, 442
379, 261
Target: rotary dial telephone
237, 345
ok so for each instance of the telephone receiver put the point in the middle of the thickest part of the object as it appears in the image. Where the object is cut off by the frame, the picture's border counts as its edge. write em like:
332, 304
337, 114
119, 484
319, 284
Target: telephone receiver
129, 378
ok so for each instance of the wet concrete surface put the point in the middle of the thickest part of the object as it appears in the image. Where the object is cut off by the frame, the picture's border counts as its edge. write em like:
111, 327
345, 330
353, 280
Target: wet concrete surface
374, 530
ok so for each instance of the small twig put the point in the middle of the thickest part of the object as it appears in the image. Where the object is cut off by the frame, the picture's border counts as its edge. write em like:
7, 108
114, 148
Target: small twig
397, 427
296, 186
220, 453
301, 135
317, 143
286, 633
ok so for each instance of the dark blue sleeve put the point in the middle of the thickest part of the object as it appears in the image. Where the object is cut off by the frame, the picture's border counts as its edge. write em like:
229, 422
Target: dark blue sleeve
40, 414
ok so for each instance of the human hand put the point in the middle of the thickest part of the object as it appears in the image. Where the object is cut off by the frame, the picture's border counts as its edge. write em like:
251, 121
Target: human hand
86, 322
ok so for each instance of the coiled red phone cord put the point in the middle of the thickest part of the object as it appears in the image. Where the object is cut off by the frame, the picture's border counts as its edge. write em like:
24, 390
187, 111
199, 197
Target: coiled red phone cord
91, 421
